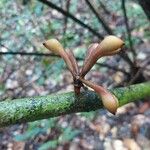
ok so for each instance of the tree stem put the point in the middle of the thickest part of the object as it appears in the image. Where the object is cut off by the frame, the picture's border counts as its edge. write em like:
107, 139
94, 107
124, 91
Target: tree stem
41, 107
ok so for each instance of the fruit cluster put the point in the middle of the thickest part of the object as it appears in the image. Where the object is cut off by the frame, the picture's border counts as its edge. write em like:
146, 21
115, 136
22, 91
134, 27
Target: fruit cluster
110, 45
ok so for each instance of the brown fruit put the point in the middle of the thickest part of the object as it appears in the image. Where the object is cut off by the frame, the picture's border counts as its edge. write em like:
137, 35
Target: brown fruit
110, 45
110, 102
54, 46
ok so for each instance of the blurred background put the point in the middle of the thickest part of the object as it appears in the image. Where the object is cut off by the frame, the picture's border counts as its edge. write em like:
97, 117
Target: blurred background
28, 69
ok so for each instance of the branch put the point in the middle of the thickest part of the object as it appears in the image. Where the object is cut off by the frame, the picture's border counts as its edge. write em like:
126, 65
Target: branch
69, 15
100, 19
127, 59
128, 29
29, 54
104, 8
54, 55
67, 7
145, 4
35, 108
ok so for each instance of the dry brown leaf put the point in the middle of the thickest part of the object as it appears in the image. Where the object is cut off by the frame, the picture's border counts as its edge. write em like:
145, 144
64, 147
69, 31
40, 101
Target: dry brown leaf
131, 144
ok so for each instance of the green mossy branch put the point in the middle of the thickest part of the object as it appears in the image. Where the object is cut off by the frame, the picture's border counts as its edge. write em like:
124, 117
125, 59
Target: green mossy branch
35, 108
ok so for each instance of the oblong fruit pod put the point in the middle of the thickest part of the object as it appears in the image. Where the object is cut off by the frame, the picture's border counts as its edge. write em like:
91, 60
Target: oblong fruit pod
109, 100
56, 47
74, 62
90, 50
87, 60
109, 46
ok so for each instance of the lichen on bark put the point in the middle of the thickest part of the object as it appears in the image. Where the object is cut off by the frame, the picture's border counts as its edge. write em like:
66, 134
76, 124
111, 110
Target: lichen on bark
41, 107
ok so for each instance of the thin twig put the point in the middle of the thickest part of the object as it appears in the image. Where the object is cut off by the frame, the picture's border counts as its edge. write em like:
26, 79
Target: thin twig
104, 8
69, 15
128, 29
100, 19
76, 20
126, 58
53, 55
67, 5
50, 4
145, 4
138, 73
28, 54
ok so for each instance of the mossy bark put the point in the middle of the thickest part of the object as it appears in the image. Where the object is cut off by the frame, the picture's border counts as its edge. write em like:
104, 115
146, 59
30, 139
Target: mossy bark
35, 108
